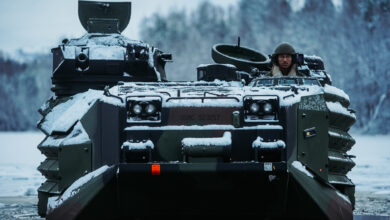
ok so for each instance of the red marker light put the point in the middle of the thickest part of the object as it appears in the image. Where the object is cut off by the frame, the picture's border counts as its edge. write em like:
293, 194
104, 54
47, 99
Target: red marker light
320, 170
155, 169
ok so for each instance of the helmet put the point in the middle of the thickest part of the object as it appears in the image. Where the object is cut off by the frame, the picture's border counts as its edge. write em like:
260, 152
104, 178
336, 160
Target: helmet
283, 48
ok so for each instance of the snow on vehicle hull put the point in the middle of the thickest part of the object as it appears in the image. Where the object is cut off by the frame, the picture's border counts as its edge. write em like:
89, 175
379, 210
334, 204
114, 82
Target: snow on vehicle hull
155, 163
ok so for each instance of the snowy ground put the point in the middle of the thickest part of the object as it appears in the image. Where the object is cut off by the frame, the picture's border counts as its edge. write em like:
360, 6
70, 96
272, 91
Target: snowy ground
371, 175
19, 159
372, 170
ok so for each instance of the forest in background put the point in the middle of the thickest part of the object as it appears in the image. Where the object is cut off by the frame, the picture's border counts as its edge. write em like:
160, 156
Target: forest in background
24, 87
352, 40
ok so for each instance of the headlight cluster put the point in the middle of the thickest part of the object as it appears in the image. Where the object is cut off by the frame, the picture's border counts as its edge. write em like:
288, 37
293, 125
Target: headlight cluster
143, 109
261, 108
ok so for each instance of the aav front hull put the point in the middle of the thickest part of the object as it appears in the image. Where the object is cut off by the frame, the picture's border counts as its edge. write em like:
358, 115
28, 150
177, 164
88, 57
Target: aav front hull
183, 190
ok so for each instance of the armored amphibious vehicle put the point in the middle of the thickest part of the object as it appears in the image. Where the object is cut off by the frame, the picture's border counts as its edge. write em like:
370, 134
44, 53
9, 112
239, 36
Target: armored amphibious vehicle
122, 142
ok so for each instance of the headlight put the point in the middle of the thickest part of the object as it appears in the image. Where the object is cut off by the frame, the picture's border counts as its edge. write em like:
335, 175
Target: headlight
150, 109
144, 109
261, 108
254, 108
267, 108
137, 109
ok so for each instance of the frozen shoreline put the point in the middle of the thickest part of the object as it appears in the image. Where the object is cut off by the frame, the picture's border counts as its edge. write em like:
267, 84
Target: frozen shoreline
19, 159
372, 170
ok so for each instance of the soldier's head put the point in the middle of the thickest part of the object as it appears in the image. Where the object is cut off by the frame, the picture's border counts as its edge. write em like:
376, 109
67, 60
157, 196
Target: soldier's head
284, 56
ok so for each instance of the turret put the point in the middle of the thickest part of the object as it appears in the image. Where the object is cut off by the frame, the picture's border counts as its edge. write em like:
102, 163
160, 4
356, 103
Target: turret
103, 57
104, 17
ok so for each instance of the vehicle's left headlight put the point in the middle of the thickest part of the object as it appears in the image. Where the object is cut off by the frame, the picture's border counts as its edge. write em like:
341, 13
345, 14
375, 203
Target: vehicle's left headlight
146, 109
261, 108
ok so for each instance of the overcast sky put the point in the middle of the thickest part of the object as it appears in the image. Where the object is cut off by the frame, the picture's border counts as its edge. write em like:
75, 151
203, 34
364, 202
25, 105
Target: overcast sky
38, 25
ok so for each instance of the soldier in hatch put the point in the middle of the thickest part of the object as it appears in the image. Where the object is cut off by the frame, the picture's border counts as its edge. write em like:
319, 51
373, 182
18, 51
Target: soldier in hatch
284, 61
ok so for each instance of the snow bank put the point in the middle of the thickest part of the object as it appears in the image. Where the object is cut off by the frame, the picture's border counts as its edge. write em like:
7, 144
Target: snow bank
56, 201
225, 140
298, 165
